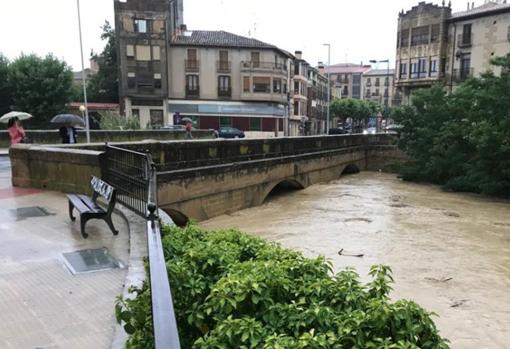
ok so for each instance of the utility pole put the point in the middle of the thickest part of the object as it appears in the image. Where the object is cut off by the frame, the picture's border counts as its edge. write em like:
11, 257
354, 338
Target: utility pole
329, 87
83, 77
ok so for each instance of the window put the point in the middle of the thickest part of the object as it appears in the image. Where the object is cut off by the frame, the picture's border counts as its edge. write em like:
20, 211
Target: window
223, 59
261, 84
156, 53
403, 70
296, 107
386, 92
192, 82
255, 59
369, 82
414, 70
225, 121
387, 81
377, 81
285, 87
434, 36
255, 124
224, 83
296, 87
376, 92
466, 34
296, 69
192, 54
157, 80
135, 113
130, 51
131, 80
157, 119
143, 53
433, 66
141, 26
404, 38
246, 84
422, 66
277, 85
420, 36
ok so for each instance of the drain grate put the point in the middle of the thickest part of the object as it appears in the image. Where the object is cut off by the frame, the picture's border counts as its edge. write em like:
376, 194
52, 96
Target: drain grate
89, 261
29, 212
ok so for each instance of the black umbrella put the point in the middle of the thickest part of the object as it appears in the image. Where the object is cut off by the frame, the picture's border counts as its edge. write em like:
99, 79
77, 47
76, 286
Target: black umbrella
68, 119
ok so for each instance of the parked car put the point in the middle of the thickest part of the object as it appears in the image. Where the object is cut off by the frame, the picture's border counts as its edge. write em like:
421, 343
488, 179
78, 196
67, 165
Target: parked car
230, 132
393, 129
370, 131
337, 131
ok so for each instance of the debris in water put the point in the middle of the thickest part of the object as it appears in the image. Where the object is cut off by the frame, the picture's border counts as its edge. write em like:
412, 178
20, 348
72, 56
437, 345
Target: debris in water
366, 220
451, 214
457, 304
399, 205
443, 279
350, 254
499, 224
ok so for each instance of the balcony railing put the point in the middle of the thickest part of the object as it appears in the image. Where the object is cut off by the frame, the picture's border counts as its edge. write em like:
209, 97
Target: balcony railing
460, 75
224, 66
464, 41
192, 93
252, 65
192, 66
419, 75
224, 93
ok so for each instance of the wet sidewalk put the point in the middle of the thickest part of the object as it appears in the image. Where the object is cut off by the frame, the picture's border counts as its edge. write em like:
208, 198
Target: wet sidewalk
42, 303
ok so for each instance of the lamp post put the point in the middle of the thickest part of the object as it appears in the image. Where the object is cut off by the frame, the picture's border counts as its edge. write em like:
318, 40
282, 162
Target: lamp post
387, 61
329, 87
83, 78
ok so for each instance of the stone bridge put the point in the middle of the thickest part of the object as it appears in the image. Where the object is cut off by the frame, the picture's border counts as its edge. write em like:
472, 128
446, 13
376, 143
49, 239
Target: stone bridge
206, 178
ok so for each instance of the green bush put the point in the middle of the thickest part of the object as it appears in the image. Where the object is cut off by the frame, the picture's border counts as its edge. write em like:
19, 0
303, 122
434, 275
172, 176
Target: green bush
114, 121
232, 290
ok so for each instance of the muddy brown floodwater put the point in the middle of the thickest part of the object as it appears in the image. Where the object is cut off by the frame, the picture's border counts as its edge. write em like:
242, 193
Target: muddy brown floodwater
449, 252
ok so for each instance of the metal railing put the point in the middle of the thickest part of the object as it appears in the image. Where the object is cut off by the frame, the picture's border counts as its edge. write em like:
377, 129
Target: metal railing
134, 176
192, 65
223, 66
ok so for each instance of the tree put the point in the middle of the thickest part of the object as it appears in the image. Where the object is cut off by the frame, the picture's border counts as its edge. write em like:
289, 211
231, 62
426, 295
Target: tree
5, 90
104, 86
461, 140
41, 87
358, 110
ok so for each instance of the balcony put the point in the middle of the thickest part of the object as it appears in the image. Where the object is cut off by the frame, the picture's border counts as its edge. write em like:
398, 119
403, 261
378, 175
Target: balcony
225, 93
223, 66
464, 41
461, 75
263, 66
192, 66
192, 92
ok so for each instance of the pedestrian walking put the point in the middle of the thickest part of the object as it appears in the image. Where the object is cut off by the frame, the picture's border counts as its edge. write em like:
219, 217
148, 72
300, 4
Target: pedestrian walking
189, 127
68, 135
16, 131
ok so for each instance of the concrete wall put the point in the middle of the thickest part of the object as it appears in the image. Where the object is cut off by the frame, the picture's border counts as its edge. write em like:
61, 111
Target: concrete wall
54, 168
100, 136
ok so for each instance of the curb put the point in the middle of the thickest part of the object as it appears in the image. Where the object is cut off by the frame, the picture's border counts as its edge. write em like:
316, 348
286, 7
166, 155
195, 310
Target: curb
136, 270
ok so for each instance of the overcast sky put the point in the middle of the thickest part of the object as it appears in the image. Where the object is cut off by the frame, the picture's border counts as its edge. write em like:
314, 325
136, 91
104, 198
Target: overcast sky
358, 30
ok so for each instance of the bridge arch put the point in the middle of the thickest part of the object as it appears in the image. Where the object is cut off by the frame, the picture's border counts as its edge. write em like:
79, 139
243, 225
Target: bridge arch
350, 169
179, 218
285, 185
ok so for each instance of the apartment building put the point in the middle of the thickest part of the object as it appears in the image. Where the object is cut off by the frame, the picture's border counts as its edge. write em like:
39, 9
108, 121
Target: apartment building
378, 86
220, 79
435, 45
346, 79
317, 102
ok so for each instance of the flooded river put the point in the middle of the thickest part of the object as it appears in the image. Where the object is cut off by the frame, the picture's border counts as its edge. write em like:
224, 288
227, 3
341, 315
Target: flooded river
449, 252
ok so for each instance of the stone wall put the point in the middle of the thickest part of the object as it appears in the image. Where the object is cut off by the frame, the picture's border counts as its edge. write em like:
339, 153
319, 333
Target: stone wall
54, 168
102, 136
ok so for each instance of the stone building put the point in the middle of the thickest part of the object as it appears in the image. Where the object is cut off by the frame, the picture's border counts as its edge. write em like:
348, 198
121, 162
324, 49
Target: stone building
346, 79
317, 102
435, 45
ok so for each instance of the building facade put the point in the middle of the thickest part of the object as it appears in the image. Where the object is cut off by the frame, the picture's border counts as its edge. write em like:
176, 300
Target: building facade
378, 86
346, 79
435, 45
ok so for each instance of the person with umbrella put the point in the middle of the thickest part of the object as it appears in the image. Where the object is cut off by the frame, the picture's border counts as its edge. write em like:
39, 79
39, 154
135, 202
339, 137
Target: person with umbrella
67, 128
16, 131
189, 126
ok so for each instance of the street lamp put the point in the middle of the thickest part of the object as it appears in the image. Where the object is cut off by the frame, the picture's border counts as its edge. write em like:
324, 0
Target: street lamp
387, 61
329, 86
84, 79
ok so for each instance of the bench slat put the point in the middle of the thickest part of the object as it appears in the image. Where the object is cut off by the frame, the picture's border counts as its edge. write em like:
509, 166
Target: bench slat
89, 203
79, 204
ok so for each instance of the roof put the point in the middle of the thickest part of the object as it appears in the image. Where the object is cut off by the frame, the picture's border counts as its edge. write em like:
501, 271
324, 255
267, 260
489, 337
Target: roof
481, 11
383, 72
346, 68
214, 38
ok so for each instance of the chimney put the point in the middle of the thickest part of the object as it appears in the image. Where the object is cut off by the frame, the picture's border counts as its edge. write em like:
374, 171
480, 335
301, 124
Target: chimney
468, 6
472, 5
298, 54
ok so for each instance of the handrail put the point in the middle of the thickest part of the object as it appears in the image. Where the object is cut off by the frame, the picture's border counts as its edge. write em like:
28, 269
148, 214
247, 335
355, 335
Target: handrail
166, 335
